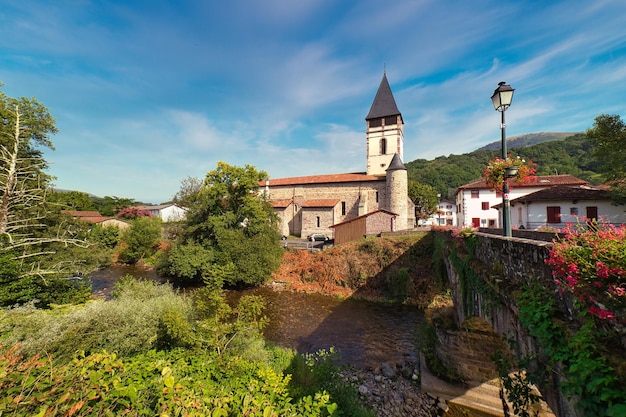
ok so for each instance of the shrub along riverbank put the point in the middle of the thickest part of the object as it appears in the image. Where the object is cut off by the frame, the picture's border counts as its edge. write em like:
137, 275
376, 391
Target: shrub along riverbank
174, 355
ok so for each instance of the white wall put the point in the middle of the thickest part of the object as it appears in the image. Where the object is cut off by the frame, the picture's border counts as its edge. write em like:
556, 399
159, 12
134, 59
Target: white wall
536, 213
472, 207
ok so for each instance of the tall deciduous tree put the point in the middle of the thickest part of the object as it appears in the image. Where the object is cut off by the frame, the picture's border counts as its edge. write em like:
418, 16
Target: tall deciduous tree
231, 234
27, 238
424, 197
608, 136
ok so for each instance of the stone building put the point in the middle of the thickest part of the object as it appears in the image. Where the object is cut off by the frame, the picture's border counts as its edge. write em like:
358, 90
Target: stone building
312, 204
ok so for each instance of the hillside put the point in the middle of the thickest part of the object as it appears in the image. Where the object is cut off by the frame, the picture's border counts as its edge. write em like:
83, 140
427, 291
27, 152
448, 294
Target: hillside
529, 139
571, 155
397, 267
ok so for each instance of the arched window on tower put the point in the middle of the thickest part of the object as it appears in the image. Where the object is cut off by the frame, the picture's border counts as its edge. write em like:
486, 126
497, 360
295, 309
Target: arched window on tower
383, 146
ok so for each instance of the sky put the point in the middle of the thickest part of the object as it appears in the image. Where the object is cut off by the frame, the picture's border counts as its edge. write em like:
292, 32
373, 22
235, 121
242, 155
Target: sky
148, 92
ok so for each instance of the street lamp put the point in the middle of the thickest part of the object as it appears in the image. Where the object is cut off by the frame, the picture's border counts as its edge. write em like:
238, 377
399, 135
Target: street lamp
501, 98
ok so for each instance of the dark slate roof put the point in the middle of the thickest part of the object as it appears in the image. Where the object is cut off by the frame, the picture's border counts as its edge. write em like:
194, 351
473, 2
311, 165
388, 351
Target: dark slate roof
396, 163
542, 181
565, 193
561, 193
384, 104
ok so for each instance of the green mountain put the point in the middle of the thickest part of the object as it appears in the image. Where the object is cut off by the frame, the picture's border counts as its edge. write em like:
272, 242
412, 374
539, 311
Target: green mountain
529, 139
571, 155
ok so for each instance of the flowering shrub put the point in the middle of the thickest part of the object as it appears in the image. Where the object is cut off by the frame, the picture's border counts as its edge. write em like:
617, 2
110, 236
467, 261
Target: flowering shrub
493, 173
590, 262
133, 213
464, 232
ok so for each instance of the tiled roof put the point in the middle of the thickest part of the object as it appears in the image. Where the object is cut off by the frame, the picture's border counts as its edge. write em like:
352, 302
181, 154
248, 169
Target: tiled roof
280, 203
322, 179
320, 203
542, 181
88, 216
384, 104
565, 193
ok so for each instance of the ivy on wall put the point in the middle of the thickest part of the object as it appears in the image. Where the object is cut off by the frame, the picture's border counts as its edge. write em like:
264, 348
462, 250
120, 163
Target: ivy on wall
582, 352
583, 355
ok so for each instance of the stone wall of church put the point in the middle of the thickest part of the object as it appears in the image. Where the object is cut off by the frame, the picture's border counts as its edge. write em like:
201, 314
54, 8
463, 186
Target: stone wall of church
326, 215
343, 192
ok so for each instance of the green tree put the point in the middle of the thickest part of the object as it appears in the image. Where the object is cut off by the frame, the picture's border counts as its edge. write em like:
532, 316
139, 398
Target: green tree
32, 234
141, 240
189, 192
71, 200
231, 233
608, 135
424, 197
110, 206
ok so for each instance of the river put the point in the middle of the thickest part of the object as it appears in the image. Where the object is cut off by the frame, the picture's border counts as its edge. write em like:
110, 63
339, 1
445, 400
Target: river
365, 333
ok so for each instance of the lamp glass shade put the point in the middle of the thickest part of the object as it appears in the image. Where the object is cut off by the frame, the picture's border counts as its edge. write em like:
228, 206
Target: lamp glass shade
502, 96
511, 172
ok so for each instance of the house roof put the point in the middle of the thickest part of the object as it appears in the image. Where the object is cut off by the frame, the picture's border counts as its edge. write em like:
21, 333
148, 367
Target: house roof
90, 216
580, 192
560, 192
320, 203
280, 203
542, 181
396, 164
365, 215
321, 179
384, 104
161, 207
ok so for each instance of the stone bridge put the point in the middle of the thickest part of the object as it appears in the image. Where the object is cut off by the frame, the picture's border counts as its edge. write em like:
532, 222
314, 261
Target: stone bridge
486, 285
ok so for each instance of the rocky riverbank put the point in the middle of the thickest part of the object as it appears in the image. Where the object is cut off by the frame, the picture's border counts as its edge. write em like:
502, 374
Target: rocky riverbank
394, 391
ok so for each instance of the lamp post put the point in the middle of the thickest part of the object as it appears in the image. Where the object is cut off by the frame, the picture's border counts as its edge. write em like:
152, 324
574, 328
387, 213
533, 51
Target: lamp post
501, 99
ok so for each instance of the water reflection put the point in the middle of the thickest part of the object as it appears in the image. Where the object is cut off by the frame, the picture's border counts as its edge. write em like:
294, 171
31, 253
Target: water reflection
366, 334
104, 279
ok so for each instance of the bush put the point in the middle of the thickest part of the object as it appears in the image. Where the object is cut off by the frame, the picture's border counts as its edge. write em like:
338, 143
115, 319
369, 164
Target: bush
132, 323
188, 263
155, 383
141, 240
107, 236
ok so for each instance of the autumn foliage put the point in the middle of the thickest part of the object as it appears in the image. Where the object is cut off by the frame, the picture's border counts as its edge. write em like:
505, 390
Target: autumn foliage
366, 268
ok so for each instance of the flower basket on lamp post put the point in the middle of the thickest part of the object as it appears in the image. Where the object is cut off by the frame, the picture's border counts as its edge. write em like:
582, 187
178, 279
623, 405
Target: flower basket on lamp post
519, 170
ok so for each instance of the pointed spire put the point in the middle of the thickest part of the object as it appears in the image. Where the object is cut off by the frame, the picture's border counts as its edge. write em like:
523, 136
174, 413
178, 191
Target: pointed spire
384, 104
396, 163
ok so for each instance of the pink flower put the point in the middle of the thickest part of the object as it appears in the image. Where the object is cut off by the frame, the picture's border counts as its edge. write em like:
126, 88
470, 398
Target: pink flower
601, 270
572, 268
601, 312
571, 281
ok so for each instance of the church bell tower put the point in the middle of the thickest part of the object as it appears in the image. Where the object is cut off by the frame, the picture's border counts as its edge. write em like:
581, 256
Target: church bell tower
385, 130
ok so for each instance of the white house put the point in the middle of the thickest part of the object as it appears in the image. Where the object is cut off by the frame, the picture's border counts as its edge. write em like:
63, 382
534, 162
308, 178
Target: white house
475, 201
167, 212
555, 207
445, 215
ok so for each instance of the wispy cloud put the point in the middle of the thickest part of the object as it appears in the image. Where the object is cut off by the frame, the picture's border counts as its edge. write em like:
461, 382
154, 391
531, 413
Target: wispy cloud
147, 93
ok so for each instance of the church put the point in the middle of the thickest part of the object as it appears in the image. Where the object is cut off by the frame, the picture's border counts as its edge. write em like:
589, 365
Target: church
321, 203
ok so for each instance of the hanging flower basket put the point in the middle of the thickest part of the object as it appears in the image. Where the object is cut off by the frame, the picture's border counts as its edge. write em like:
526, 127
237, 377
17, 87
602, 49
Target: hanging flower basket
516, 169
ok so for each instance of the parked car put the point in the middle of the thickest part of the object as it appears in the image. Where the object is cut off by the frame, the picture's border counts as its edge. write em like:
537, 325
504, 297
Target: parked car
317, 237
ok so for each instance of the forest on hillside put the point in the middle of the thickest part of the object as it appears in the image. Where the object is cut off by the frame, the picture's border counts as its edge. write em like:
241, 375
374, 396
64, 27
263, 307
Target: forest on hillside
569, 156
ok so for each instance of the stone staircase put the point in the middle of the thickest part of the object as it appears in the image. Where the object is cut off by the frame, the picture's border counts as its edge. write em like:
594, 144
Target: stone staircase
479, 401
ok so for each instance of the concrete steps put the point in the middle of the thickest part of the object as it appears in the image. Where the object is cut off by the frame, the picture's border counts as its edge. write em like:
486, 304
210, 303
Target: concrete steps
483, 400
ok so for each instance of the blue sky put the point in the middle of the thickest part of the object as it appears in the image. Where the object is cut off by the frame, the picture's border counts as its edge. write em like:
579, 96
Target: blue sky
146, 93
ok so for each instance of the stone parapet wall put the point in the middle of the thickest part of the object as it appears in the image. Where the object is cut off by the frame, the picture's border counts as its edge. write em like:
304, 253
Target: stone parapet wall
505, 266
